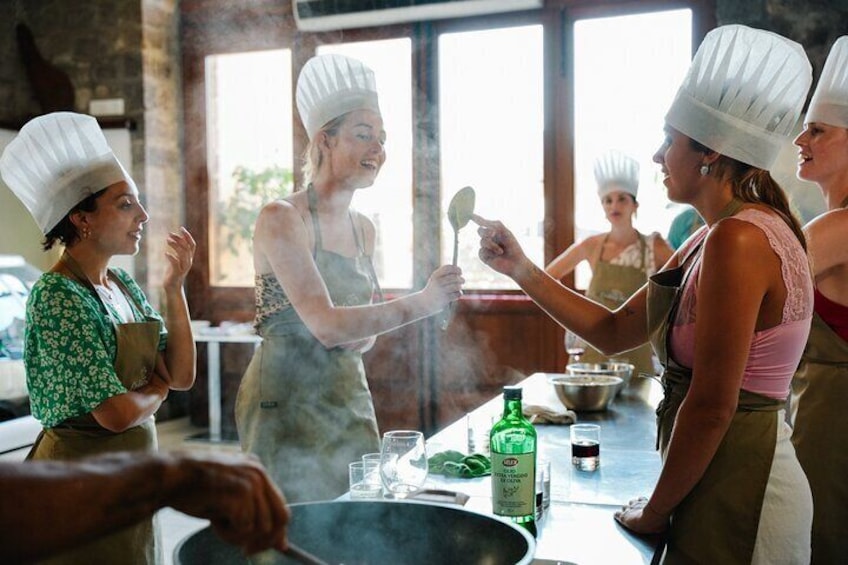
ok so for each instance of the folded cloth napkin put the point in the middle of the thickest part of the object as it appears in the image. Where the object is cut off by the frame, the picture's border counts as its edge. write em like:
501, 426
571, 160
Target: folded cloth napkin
547, 415
456, 464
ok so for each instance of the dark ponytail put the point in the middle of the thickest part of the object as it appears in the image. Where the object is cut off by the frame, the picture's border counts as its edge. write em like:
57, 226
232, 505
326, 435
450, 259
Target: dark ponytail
754, 185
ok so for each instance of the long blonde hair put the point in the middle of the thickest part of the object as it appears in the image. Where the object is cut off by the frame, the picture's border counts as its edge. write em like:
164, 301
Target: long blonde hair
312, 157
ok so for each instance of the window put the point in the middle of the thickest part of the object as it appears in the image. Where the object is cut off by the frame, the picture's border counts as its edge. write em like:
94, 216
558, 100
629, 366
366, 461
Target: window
622, 90
389, 201
491, 111
249, 152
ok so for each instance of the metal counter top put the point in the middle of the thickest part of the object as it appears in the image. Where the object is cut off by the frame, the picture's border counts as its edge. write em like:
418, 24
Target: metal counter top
579, 527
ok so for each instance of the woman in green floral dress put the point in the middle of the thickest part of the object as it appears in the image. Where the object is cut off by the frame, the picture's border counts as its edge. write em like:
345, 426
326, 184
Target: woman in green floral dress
97, 359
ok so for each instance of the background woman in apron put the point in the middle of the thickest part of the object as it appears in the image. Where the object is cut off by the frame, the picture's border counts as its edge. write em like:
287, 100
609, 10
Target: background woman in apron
731, 489
97, 360
820, 386
621, 259
304, 406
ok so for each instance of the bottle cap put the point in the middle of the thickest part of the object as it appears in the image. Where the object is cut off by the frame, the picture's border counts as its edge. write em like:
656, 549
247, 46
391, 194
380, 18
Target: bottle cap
512, 392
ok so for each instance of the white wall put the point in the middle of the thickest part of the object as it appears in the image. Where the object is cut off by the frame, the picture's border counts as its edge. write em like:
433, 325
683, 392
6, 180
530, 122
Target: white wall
19, 235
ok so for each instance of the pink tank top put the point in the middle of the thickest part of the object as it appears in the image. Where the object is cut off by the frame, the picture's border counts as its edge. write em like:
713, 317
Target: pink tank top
775, 352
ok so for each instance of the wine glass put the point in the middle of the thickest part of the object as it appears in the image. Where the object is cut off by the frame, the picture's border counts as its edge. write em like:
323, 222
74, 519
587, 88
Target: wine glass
574, 346
403, 462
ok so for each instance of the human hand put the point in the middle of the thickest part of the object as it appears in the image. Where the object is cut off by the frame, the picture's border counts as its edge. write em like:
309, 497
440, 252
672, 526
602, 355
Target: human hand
639, 517
498, 247
444, 286
232, 491
180, 256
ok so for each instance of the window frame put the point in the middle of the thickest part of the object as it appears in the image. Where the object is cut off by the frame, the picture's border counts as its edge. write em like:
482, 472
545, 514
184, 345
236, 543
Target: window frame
206, 28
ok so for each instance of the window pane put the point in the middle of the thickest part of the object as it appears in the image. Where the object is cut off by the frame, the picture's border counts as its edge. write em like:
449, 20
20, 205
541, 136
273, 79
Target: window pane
389, 201
249, 133
491, 108
623, 89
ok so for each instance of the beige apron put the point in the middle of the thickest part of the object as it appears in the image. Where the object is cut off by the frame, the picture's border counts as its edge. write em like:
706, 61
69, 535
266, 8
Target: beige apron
304, 409
819, 393
611, 286
718, 520
137, 350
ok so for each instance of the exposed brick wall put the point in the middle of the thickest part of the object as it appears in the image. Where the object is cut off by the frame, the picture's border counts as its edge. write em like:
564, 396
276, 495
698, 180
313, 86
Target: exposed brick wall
815, 24
112, 49
163, 120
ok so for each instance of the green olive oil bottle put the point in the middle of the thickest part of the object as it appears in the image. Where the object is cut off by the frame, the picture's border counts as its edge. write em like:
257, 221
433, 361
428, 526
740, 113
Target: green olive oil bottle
513, 449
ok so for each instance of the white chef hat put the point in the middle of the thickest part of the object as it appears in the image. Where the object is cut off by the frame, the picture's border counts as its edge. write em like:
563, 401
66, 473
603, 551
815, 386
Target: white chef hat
829, 104
616, 171
743, 94
332, 85
55, 162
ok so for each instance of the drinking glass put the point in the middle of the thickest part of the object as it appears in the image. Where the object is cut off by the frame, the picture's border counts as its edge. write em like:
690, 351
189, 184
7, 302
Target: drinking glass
403, 462
586, 446
574, 346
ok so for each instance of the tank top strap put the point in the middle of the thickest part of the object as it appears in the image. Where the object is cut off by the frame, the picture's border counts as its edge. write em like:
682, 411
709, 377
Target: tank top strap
312, 198
601, 248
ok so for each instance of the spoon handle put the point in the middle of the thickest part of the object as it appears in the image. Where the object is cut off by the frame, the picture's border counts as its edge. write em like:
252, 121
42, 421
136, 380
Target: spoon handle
455, 246
303, 556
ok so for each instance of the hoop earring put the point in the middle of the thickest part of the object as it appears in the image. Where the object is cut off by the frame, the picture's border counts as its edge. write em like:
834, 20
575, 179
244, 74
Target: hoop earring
704, 170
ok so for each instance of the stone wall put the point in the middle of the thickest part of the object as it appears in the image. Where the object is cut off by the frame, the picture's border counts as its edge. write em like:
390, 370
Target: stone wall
815, 24
126, 49
129, 49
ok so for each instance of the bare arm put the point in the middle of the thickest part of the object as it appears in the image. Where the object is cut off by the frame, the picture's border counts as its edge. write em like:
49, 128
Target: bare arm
826, 237
281, 239
124, 411
90, 498
609, 331
180, 354
738, 271
662, 252
568, 260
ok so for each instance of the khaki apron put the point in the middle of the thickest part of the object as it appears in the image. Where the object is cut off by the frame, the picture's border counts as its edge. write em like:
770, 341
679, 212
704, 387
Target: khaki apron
137, 350
718, 520
304, 409
820, 435
612, 285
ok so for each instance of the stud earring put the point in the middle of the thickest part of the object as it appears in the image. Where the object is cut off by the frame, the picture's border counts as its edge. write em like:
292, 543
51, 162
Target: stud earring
86, 233
705, 170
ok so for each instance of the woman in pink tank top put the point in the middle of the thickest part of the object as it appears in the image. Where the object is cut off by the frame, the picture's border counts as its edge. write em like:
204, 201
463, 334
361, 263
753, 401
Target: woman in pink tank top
727, 316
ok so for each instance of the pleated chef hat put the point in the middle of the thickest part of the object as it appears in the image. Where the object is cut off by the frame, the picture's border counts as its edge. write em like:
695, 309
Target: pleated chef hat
616, 171
743, 93
830, 100
55, 162
332, 85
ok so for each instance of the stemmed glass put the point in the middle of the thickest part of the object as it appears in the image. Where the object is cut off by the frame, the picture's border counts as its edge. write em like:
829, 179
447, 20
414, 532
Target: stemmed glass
403, 462
574, 346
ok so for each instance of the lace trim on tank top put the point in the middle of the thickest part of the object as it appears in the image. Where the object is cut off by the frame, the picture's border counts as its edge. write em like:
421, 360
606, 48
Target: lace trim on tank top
794, 267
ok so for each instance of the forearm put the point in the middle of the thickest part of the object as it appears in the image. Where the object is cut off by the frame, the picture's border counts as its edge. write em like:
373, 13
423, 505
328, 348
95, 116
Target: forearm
349, 324
50, 506
181, 354
608, 331
125, 411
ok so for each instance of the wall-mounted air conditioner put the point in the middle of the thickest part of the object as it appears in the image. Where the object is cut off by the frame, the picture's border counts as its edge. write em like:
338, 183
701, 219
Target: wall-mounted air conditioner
326, 15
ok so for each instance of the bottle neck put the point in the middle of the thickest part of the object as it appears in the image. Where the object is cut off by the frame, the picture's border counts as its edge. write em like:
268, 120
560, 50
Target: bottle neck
512, 408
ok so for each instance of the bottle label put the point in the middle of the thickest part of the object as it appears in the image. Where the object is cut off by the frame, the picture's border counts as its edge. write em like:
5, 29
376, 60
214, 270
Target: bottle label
513, 484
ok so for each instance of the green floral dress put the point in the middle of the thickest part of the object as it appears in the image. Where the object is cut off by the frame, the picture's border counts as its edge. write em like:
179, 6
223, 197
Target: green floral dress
70, 347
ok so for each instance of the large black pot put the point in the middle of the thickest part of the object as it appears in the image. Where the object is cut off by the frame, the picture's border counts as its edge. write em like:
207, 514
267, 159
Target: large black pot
372, 532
